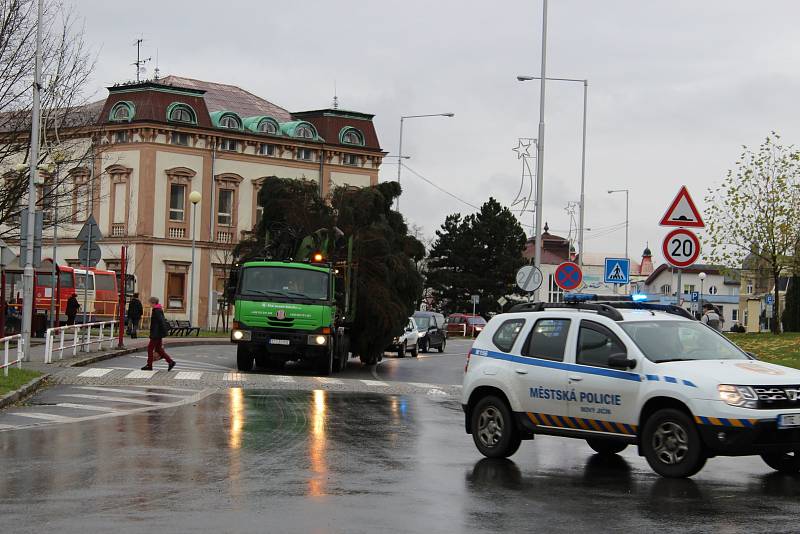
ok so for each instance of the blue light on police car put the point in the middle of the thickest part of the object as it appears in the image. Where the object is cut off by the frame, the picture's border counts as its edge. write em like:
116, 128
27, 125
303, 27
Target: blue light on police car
639, 297
579, 297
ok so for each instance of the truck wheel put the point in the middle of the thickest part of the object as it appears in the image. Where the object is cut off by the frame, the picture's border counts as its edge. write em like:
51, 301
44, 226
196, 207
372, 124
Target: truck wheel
325, 365
442, 346
784, 462
672, 445
401, 351
493, 429
606, 447
244, 358
368, 360
415, 351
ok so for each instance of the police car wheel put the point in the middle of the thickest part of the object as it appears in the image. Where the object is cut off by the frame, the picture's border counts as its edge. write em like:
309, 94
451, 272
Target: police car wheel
785, 462
672, 445
606, 446
493, 429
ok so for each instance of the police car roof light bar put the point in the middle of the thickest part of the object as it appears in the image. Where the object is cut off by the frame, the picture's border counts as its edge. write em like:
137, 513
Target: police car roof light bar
601, 309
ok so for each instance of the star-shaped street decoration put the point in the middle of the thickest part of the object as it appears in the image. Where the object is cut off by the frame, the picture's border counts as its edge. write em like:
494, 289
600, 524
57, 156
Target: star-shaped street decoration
523, 149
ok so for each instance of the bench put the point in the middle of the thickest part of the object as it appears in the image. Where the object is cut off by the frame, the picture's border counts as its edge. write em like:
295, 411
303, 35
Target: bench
182, 328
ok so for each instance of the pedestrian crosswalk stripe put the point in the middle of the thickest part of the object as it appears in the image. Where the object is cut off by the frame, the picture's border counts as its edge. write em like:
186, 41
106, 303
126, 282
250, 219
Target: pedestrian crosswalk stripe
105, 389
326, 380
88, 407
44, 416
111, 398
141, 374
188, 375
234, 377
282, 378
420, 385
374, 383
95, 373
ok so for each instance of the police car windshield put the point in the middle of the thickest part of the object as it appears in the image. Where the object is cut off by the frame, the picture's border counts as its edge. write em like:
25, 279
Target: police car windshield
662, 341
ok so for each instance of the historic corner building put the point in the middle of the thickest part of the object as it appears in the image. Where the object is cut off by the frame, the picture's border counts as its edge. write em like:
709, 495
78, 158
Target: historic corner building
155, 142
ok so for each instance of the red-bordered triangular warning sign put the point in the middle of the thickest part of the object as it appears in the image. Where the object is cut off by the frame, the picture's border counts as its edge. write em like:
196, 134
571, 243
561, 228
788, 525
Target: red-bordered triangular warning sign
682, 212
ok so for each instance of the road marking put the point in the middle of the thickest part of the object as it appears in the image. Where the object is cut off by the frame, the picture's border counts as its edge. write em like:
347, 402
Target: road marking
147, 375
374, 383
420, 385
6, 427
95, 373
282, 378
153, 387
111, 399
89, 407
130, 391
45, 416
234, 377
188, 375
327, 380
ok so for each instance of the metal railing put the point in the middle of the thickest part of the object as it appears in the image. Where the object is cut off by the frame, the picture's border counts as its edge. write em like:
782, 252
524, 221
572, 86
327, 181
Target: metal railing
81, 338
20, 353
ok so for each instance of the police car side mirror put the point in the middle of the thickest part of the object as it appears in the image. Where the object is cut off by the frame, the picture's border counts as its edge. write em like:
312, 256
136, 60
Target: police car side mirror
621, 361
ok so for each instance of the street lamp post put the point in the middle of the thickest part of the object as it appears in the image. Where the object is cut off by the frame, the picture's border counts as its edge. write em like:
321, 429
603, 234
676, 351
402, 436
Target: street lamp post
702, 277
581, 215
400, 156
194, 198
626, 191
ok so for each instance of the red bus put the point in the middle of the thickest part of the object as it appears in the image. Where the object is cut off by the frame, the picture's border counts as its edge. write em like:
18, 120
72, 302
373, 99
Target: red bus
101, 296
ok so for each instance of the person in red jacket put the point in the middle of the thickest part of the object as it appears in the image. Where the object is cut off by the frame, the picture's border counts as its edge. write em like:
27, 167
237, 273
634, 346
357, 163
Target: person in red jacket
158, 331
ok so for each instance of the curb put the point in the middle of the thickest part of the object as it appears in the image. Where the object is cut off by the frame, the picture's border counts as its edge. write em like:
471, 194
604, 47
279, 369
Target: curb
123, 352
24, 391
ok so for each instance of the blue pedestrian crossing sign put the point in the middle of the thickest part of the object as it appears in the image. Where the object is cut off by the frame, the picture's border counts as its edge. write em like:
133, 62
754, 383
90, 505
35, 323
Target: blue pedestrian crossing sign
617, 271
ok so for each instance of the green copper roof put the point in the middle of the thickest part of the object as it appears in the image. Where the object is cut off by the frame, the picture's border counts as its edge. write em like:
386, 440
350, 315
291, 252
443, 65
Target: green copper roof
216, 117
251, 123
289, 128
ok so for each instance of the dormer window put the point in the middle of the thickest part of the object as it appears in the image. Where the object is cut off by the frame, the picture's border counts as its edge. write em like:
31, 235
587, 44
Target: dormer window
352, 136
268, 126
304, 131
121, 112
181, 113
229, 120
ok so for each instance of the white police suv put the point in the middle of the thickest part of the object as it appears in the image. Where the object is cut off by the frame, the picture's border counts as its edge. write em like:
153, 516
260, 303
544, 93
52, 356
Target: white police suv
622, 373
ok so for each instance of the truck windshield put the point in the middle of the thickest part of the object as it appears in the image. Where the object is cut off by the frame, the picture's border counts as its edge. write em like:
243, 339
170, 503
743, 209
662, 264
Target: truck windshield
284, 282
669, 341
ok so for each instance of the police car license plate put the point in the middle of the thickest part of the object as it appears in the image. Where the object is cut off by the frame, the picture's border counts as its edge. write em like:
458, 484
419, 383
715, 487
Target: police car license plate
278, 341
789, 420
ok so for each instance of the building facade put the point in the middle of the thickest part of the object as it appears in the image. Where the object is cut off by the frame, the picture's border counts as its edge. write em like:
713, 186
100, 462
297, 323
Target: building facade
156, 142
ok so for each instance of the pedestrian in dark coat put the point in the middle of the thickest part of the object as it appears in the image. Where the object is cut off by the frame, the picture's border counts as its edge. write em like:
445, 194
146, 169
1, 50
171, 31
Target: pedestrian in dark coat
158, 331
135, 312
72, 308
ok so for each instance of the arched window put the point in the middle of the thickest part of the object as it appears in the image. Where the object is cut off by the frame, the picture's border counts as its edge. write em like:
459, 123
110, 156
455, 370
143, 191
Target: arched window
351, 136
268, 126
229, 121
121, 112
305, 131
181, 113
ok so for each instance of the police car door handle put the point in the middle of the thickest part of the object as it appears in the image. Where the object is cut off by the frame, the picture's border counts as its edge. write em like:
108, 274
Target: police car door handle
521, 371
576, 378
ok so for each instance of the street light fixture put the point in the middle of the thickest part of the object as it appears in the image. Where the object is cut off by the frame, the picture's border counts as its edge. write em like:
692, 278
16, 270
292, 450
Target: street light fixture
194, 198
702, 277
399, 155
626, 191
583, 151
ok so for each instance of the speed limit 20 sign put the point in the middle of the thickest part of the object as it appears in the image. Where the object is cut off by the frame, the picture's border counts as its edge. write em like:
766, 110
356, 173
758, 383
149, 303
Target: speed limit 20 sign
681, 247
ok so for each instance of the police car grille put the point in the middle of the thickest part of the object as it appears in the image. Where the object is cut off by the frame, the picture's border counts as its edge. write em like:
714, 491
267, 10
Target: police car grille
771, 397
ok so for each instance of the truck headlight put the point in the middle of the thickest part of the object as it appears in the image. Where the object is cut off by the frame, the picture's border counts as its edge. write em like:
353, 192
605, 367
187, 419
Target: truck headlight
241, 335
318, 340
740, 396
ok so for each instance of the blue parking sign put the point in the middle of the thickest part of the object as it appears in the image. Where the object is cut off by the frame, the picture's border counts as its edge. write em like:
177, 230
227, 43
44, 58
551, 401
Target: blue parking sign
695, 296
617, 271
770, 299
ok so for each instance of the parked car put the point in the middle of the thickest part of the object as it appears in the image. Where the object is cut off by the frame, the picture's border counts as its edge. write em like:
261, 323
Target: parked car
407, 341
432, 333
465, 324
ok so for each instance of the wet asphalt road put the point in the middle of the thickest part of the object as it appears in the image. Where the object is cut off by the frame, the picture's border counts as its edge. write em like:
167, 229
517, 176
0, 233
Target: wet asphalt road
261, 461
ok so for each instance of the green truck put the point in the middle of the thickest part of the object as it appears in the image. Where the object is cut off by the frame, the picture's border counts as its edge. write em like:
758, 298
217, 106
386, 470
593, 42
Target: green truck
292, 311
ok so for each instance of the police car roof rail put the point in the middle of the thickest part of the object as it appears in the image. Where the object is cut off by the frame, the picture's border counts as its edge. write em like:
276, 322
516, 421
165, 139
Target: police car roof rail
652, 306
601, 309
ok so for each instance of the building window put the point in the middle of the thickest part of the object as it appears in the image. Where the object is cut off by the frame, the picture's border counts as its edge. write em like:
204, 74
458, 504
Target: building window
230, 121
177, 112
121, 137
351, 136
268, 126
688, 288
746, 314
666, 289
305, 131
266, 149
179, 138
229, 145
177, 202
305, 154
735, 314
554, 293
351, 159
176, 290
750, 288
225, 211
712, 290
259, 214
121, 112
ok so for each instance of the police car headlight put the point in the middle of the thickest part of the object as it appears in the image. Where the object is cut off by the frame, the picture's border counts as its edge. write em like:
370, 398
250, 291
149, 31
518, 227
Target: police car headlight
740, 396
241, 335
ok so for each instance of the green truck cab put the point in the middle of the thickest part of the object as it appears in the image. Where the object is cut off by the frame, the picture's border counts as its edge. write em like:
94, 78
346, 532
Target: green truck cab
287, 311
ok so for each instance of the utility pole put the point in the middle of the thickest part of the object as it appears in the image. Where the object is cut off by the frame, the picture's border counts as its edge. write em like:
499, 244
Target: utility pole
27, 275
537, 259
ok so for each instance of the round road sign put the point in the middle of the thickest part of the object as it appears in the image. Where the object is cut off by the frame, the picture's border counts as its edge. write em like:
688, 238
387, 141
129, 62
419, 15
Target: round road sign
681, 248
529, 278
568, 276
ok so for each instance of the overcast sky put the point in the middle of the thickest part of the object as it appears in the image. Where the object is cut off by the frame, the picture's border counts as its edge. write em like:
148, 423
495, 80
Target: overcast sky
676, 87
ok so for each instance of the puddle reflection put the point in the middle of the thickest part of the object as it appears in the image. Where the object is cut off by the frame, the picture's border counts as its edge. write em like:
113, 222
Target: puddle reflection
317, 446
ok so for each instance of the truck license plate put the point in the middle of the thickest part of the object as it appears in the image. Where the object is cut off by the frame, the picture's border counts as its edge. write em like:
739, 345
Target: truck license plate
789, 420
278, 341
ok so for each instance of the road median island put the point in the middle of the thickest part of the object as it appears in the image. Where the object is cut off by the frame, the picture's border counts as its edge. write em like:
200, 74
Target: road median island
19, 384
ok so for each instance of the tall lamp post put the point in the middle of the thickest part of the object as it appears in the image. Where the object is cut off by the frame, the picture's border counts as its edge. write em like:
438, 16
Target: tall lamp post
194, 198
583, 153
702, 277
626, 191
400, 156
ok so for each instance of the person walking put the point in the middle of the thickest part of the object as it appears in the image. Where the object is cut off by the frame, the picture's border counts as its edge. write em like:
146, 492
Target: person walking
72, 308
135, 312
158, 331
711, 317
